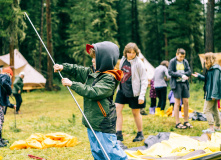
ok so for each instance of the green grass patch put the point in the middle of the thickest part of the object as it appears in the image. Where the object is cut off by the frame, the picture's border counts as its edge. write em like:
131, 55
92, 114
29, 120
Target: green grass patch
48, 112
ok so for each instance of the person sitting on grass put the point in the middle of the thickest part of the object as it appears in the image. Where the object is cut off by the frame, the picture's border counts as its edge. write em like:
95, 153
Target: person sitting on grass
179, 70
97, 85
212, 91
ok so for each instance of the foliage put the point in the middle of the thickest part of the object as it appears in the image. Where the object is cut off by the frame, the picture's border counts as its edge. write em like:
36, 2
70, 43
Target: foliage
217, 33
77, 23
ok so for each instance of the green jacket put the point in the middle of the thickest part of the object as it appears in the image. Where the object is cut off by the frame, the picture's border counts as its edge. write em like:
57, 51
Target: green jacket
212, 85
17, 85
98, 87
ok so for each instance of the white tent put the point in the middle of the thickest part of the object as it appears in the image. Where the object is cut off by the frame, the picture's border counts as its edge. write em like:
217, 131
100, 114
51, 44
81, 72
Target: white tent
33, 79
150, 69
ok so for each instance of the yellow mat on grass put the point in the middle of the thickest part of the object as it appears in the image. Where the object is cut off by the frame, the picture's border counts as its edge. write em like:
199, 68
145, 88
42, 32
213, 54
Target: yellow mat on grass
41, 141
178, 145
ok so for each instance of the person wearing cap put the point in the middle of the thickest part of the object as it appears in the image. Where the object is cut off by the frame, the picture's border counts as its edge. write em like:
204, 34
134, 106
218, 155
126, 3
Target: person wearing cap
97, 85
17, 90
5, 91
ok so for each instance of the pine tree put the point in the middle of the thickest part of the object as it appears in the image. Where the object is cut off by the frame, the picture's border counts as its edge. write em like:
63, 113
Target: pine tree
152, 31
217, 24
184, 28
124, 23
80, 30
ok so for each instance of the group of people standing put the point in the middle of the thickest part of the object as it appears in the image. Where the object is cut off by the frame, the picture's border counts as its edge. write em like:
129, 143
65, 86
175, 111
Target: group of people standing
5, 92
98, 83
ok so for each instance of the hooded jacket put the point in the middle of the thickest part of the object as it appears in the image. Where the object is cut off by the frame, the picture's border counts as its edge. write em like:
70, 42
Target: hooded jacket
212, 85
5, 89
98, 87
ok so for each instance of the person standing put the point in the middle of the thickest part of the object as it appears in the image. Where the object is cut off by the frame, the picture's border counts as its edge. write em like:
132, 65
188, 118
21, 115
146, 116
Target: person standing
17, 90
132, 89
5, 91
212, 92
160, 77
153, 97
97, 85
179, 70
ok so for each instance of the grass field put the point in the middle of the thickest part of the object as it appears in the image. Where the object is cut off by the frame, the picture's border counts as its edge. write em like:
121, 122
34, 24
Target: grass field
48, 112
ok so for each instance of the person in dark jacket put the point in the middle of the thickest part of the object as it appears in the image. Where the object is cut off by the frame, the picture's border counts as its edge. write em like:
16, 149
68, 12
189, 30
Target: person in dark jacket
17, 90
179, 70
212, 91
5, 91
97, 85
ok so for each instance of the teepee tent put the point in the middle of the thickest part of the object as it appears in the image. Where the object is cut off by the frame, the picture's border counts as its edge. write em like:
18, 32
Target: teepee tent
33, 79
150, 69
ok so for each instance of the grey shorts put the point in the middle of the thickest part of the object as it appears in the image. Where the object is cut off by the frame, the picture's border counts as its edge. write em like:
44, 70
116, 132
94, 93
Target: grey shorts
181, 91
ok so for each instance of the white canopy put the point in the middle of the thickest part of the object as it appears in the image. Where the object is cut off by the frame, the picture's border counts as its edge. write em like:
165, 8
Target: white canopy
33, 79
149, 67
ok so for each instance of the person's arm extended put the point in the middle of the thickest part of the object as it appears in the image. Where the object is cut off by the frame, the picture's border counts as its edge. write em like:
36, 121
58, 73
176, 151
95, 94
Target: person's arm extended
102, 89
199, 76
78, 73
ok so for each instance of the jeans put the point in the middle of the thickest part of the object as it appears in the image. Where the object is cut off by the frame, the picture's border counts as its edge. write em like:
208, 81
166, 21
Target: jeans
109, 143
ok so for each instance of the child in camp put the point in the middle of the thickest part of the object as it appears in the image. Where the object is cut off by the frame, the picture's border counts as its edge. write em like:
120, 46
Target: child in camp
153, 97
179, 70
172, 101
97, 84
5, 91
132, 89
212, 91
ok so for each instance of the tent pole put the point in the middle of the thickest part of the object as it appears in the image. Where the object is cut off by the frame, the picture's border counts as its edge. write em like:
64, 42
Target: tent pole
69, 90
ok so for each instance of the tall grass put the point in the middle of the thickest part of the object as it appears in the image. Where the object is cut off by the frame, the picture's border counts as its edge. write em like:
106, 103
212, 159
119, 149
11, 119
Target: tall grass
48, 112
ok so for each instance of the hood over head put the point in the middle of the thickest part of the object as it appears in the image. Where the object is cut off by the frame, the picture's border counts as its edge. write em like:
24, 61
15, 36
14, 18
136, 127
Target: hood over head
107, 54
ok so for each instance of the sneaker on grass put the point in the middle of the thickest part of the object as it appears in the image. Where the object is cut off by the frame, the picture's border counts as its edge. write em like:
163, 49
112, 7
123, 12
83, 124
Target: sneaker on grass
138, 138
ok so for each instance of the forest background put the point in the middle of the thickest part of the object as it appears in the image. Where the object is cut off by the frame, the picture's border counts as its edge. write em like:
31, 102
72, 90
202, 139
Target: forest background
158, 27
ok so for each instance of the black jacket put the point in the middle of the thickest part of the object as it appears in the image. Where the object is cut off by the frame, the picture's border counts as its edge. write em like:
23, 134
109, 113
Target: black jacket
174, 74
5, 89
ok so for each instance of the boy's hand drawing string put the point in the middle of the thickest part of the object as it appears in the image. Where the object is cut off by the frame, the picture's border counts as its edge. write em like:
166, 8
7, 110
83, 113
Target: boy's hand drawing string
68, 89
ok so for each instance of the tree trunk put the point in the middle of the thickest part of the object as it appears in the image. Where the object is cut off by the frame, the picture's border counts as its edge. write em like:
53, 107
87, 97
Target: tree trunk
41, 34
209, 46
11, 51
49, 83
135, 24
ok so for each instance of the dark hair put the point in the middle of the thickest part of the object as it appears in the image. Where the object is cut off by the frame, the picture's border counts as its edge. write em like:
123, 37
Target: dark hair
181, 51
130, 46
165, 63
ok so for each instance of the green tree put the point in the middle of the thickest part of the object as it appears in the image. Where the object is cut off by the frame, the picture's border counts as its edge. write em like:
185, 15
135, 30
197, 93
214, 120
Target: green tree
184, 28
152, 31
217, 24
124, 35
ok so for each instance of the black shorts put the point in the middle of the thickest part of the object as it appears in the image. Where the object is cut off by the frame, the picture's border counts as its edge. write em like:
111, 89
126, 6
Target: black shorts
181, 91
132, 101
